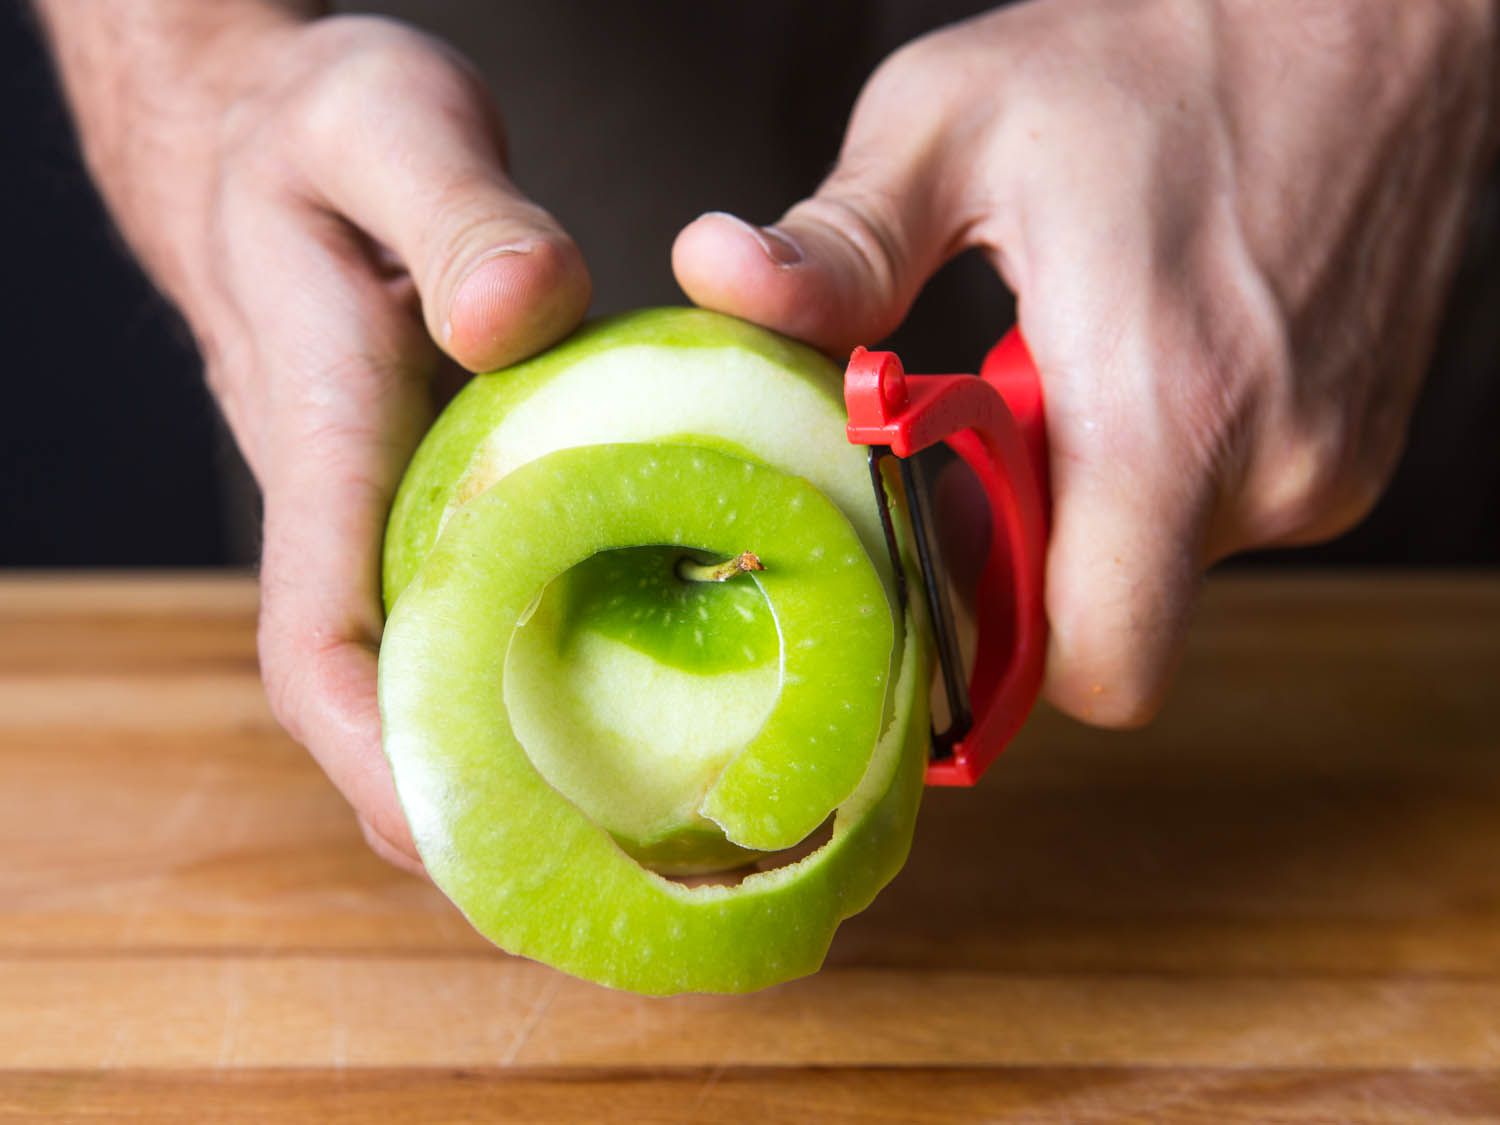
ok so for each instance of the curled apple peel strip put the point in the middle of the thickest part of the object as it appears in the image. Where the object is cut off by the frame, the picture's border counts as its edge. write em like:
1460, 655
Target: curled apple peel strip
571, 896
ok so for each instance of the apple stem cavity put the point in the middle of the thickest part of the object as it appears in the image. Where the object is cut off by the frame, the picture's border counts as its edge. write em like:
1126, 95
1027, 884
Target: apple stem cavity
690, 571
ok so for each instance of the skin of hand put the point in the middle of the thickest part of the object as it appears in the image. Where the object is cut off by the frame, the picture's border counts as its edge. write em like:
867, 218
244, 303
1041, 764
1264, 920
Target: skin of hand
1229, 225
308, 191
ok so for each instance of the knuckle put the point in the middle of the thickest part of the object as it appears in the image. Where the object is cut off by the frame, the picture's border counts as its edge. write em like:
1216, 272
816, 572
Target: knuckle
284, 671
463, 220
281, 676
288, 662
1303, 454
1165, 386
912, 61
1350, 496
866, 220
1118, 616
1303, 477
362, 61
907, 111
376, 832
1117, 693
304, 668
937, 65
1322, 482
1128, 708
382, 834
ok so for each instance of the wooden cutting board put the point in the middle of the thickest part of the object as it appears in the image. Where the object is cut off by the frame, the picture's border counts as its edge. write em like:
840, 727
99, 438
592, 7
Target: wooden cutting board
1281, 902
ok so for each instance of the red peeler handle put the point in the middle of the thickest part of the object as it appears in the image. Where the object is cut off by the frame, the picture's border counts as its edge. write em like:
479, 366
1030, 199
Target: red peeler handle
995, 423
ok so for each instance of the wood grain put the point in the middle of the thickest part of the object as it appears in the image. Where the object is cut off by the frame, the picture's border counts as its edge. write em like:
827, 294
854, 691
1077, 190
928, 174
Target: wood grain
731, 1095
1281, 902
227, 1011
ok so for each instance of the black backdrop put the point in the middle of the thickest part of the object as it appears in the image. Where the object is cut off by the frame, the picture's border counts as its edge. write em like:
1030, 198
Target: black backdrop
111, 453
107, 439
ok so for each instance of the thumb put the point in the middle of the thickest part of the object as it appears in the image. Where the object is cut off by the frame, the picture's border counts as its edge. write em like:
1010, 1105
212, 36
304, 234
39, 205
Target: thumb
497, 276
839, 269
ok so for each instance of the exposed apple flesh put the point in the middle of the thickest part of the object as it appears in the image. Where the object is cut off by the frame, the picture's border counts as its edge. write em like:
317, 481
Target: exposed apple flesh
562, 890
829, 607
566, 699
624, 625
681, 376
649, 599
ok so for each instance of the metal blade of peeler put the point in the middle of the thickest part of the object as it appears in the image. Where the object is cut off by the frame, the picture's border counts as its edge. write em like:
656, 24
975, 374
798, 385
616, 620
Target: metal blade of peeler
934, 574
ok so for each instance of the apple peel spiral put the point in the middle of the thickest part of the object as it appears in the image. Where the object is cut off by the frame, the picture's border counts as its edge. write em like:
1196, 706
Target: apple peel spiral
642, 622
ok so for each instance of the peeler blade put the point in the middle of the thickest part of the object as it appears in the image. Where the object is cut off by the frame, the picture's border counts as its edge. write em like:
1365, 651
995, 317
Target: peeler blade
916, 486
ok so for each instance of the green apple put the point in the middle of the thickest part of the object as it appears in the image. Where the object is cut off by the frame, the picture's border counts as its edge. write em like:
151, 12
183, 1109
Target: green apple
642, 622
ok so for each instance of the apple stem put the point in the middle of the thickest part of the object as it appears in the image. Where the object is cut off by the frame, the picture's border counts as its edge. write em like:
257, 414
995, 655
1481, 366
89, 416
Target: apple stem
743, 563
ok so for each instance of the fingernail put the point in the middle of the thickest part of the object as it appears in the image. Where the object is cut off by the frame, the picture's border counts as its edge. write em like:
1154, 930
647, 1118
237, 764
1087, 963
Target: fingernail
777, 245
508, 251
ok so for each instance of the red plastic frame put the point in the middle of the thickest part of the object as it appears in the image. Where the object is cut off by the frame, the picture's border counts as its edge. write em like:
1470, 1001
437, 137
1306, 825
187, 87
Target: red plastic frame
996, 424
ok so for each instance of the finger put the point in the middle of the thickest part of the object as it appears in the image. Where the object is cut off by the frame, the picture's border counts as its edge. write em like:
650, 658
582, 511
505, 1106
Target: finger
498, 277
388, 851
345, 370
1132, 509
843, 267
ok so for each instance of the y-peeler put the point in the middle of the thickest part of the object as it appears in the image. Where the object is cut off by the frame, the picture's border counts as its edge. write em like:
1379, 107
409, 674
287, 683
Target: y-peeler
994, 423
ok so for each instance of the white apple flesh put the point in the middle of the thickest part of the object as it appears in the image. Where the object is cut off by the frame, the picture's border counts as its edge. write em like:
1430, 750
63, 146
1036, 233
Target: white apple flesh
571, 712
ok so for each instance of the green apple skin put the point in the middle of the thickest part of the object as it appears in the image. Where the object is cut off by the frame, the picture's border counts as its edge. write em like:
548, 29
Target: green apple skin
528, 867
528, 555
731, 386
830, 608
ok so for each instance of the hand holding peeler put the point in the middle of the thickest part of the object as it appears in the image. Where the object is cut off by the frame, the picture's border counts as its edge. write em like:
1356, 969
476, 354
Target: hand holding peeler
994, 423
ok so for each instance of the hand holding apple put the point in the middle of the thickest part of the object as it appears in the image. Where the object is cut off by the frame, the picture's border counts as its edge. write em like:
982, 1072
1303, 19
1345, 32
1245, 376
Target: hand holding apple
1230, 227
308, 192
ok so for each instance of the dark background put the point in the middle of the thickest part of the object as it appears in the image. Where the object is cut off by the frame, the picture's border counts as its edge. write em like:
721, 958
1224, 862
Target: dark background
112, 454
